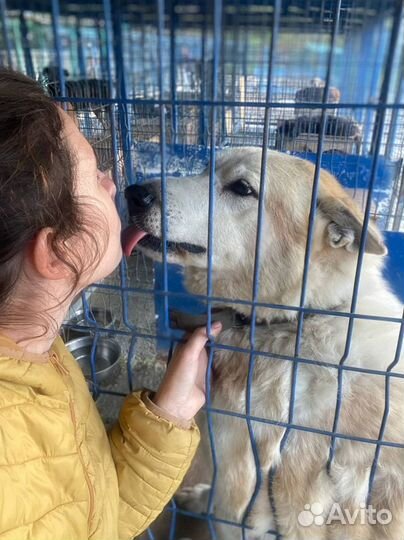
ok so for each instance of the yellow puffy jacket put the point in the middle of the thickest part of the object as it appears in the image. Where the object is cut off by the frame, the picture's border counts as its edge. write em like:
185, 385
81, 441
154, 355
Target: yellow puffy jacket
61, 476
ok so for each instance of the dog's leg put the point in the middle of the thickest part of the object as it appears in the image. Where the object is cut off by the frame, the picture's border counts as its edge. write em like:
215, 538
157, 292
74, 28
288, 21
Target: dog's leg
235, 479
194, 498
237, 482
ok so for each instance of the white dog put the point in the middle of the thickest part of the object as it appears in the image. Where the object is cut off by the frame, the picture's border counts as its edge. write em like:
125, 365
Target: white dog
299, 474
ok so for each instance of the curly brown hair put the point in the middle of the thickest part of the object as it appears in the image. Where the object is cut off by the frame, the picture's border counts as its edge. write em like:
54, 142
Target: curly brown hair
37, 184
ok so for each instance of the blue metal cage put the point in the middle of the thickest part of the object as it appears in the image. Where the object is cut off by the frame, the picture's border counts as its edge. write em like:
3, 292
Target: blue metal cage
159, 88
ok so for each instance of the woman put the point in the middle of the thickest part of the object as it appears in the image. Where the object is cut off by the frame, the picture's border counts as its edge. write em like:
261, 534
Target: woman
61, 476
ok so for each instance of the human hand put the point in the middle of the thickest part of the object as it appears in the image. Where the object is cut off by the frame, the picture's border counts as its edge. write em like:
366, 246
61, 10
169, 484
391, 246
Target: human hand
182, 391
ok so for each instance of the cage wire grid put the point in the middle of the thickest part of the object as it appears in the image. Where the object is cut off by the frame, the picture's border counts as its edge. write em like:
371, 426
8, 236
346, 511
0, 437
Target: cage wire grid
159, 88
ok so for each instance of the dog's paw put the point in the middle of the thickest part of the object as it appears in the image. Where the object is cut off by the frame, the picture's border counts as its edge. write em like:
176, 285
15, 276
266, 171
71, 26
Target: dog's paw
194, 499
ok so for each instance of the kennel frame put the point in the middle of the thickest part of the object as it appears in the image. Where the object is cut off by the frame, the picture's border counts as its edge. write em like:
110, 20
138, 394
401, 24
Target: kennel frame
213, 97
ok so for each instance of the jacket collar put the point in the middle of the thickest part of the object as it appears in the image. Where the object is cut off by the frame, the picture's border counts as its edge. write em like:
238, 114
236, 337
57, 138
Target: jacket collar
37, 371
8, 347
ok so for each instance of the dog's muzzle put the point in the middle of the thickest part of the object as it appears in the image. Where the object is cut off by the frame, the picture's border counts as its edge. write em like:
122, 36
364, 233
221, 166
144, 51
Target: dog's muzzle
140, 199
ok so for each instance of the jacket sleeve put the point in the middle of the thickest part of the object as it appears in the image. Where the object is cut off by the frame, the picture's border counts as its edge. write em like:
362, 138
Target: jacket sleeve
151, 455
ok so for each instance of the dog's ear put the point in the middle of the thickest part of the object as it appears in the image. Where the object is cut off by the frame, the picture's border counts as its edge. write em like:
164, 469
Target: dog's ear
345, 226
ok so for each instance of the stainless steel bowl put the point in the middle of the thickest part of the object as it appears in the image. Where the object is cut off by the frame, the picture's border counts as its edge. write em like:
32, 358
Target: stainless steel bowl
107, 355
104, 318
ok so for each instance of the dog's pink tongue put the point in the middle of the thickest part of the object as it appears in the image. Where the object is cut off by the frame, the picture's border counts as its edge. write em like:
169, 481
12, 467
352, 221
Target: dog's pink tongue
130, 237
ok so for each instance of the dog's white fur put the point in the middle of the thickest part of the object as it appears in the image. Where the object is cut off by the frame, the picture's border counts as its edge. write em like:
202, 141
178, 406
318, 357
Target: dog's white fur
300, 476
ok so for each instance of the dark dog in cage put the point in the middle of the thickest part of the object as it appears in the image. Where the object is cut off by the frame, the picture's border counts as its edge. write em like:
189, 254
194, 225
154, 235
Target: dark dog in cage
338, 128
80, 89
335, 126
326, 422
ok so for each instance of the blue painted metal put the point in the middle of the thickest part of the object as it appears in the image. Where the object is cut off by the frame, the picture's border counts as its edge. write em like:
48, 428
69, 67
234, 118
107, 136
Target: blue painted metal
376, 143
203, 136
380, 36
237, 301
309, 242
353, 171
160, 11
58, 47
364, 74
386, 412
235, 103
217, 21
124, 116
394, 268
264, 354
101, 45
393, 137
375, 174
129, 365
143, 55
173, 524
107, 9
5, 32
108, 53
173, 67
29, 65
257, 268
80, 50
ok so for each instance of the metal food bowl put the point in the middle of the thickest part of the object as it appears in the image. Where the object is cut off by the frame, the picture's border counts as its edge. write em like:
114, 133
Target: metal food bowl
103, 317
107, 355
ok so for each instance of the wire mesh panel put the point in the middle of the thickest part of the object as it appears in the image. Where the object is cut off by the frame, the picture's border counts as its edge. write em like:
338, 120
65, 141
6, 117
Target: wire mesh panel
236, 116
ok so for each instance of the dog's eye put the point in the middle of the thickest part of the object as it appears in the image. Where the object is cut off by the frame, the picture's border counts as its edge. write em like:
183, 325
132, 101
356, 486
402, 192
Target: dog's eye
241, 187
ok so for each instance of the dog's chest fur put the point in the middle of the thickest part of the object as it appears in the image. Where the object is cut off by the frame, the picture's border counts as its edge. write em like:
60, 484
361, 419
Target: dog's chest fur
271, 373
270, 379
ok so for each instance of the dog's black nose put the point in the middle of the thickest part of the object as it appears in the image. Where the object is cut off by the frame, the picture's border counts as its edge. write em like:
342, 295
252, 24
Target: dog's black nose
139, 196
